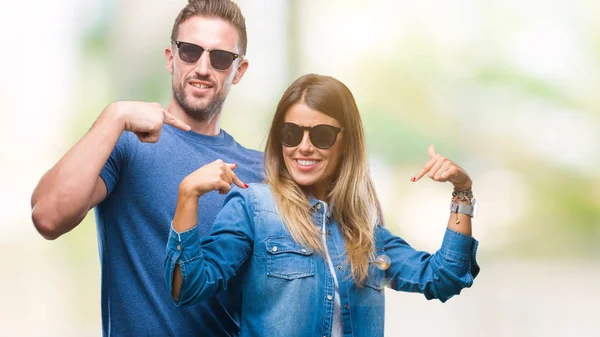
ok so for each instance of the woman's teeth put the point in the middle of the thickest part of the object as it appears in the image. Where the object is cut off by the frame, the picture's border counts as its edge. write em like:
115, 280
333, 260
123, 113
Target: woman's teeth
306, 162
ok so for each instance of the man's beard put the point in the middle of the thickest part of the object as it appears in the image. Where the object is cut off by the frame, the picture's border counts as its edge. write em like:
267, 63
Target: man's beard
201, 112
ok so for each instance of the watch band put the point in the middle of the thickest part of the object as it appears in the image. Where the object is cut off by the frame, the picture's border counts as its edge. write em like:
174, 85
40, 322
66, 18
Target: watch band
460, 208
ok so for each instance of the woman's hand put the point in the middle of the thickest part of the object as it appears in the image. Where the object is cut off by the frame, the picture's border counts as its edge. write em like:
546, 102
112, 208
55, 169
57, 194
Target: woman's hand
440, 168
216, 176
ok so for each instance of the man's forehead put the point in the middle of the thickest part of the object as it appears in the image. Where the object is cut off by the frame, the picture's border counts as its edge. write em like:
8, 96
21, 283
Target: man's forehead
212, 33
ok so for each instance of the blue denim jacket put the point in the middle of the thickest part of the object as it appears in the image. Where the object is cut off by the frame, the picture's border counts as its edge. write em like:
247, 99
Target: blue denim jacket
288, 289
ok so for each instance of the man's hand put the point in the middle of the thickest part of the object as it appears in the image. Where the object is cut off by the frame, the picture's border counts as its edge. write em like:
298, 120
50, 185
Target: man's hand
72, 187
145, 119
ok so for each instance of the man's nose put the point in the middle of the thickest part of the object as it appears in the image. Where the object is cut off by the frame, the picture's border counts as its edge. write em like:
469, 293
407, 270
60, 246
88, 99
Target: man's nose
203, 64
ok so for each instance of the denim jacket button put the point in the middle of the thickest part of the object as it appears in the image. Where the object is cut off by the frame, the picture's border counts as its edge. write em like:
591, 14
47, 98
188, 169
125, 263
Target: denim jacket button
329, 297
347, 307
303, 250
339, 267
274, 248
178, 247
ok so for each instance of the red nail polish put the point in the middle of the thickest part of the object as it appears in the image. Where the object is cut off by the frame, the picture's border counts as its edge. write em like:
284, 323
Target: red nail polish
413, 179
246, 185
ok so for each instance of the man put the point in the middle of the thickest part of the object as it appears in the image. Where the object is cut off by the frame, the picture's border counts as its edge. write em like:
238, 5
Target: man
130, 164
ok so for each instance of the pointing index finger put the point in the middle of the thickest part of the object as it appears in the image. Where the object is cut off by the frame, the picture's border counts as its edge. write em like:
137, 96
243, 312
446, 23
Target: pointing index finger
428, 165
172, 120
238, 182
424, 170
234, 177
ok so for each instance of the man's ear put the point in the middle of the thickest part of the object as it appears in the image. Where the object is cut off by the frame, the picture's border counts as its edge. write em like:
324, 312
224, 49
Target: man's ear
169, 59
241, 70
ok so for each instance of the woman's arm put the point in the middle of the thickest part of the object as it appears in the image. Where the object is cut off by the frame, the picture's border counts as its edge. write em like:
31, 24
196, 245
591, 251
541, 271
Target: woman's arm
184, 248
186, 215
453, 267
442, 169
440, 275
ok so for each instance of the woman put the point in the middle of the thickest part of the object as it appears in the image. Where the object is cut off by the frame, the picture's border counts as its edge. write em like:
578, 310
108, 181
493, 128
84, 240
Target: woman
309, 240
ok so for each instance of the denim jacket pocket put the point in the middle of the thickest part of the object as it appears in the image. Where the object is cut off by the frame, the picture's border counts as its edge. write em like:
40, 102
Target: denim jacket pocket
287, 259
376, 278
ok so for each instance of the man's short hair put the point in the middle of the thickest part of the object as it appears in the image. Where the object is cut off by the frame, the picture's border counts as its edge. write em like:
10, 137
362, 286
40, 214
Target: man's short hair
225, 10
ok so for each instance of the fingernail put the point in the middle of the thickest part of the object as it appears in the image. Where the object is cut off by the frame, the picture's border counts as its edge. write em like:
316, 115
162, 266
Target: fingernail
246, 185
413, 179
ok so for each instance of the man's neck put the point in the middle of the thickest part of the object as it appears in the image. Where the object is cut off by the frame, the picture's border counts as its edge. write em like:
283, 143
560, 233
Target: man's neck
209, 127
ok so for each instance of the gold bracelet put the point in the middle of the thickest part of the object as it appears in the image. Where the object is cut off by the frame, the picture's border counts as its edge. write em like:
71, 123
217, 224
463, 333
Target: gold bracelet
465, 195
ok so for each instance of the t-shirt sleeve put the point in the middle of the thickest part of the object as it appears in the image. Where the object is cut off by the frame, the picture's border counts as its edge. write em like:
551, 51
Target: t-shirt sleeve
116, 161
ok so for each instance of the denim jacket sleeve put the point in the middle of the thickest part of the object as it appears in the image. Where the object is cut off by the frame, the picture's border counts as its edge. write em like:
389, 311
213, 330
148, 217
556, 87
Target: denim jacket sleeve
440, 275
208, 263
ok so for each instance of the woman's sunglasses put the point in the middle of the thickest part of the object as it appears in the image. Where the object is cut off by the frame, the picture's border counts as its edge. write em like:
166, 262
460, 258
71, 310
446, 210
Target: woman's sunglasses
322, 136
219, 59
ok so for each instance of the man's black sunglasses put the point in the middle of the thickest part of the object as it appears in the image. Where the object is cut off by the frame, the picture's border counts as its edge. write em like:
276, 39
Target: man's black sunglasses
219, 59
322, 136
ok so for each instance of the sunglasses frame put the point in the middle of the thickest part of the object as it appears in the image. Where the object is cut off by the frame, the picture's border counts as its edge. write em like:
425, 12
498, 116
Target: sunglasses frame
179, 43
309, 129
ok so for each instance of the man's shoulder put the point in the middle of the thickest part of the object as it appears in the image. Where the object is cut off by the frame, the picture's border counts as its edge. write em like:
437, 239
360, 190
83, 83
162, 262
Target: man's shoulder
240, 147
242, 151
259, 155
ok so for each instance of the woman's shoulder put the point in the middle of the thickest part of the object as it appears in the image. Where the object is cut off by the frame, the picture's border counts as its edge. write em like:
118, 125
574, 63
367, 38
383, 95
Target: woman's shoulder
259, 188
258, 195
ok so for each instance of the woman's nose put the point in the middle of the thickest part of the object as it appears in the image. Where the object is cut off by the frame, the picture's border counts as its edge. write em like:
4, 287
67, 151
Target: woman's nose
305, 145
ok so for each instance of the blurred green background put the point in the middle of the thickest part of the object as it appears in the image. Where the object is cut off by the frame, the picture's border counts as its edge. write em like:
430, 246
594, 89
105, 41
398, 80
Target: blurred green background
510, 90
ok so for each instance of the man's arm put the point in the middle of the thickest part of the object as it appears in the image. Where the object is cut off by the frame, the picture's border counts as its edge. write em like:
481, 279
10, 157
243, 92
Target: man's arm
72, 187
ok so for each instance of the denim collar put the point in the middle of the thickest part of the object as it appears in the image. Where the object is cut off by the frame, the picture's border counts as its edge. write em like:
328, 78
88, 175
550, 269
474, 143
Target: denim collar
313, 205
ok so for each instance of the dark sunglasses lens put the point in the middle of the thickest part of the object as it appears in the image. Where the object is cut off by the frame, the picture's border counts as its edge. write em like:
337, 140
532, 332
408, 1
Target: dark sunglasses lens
323, 136
291, 135
190, 53
221, 60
